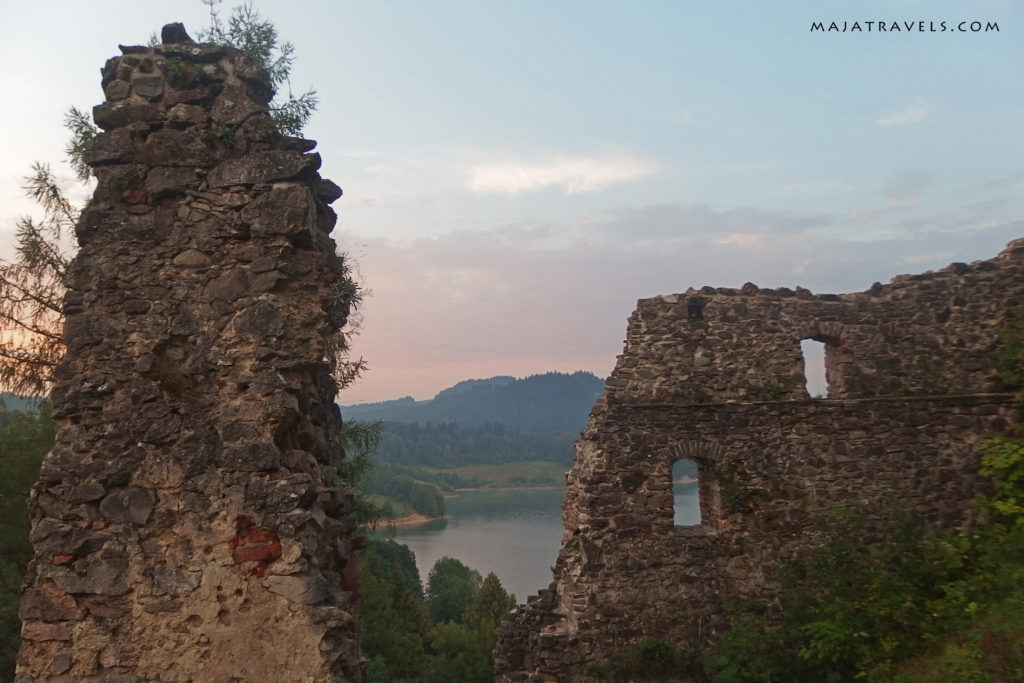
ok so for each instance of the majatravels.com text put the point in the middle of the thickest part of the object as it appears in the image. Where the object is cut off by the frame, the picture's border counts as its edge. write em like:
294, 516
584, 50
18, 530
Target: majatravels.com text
905, 26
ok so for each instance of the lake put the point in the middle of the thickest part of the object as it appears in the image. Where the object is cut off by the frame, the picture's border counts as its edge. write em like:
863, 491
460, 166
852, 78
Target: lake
515, 533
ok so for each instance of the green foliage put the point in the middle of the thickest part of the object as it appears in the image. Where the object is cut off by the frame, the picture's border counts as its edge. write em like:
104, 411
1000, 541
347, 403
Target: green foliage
32, 289
653, 659
506, 475
768, 392
449, 445
492, 603
754, 649
863, 607
25, 437
394, 559
82, 130
655, 656
1011, 354
393, 621
451, 589
291, 114
359, 440
347, 296
248, 31
400, 639
1003, 461
180, 73
460, 652
422, 497
735, 499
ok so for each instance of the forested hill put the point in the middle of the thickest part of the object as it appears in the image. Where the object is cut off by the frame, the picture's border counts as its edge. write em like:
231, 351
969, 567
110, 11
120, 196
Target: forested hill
448, 445
551, 404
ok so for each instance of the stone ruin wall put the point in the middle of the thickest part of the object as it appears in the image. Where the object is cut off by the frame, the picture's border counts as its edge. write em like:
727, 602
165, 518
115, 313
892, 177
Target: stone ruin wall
181, 527
716, 376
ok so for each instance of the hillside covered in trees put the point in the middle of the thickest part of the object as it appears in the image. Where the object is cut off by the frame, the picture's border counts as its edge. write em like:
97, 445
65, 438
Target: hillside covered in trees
448, 445
550, 404
495, 432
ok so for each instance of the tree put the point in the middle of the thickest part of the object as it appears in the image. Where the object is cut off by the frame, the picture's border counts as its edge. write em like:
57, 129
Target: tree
24, 439
451, 590
393, 621
400, 642
248, 31
460, 652
493, 603
359, 440
32, 289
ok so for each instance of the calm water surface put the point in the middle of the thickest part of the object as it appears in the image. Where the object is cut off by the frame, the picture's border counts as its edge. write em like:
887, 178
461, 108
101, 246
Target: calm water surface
515, 533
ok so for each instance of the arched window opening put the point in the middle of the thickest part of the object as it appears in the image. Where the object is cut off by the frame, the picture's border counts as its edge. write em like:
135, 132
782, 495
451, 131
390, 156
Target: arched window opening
686, 493
814, 367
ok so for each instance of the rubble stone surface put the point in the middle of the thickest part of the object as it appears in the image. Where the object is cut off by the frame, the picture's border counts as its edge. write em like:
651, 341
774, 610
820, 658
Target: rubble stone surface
181, 527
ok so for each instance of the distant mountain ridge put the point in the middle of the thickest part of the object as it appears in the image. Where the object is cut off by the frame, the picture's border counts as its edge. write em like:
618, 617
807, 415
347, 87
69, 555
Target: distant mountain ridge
549, 404
14, 402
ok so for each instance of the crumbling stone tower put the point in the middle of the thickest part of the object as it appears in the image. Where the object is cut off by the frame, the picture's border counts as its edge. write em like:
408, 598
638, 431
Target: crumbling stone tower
182, 530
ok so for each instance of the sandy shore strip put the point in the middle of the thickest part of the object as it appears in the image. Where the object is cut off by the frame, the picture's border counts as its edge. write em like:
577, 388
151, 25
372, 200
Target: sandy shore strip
414, 518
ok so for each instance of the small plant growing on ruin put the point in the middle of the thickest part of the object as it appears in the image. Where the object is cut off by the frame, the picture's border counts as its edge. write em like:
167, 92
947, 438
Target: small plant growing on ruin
180, 74
771, 392
655, 659
248, 31
226, 134
82, 130
735, 499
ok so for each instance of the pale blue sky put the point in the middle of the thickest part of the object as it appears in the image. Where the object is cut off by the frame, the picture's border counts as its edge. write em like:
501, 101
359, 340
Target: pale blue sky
517, 174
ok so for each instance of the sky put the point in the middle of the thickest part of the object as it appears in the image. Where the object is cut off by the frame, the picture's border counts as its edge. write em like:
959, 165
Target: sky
517, 173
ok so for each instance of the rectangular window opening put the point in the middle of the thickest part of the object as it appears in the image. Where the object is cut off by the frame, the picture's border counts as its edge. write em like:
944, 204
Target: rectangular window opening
814, 368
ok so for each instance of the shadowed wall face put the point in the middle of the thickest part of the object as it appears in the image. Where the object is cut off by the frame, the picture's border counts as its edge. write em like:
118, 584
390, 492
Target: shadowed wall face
181, 527
716, 377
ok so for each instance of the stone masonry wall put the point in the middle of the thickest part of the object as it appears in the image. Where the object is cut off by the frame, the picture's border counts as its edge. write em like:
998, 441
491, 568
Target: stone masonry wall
181, 527
716, 377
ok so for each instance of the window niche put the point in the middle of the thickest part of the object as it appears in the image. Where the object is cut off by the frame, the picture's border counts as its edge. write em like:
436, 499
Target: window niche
815, 380
686, 494
695, 309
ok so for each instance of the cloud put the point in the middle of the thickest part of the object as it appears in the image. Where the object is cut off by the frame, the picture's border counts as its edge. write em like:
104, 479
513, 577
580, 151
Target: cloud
740, 239
575, 175
944, 256
903, 190
912, 113
871, 213
513, 300
906, 185
533, 296
659, 225
1004, 182
813, 189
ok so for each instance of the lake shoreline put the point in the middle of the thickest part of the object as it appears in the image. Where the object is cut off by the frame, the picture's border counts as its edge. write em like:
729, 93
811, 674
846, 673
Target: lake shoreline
511, 488
419, 518
414, 518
